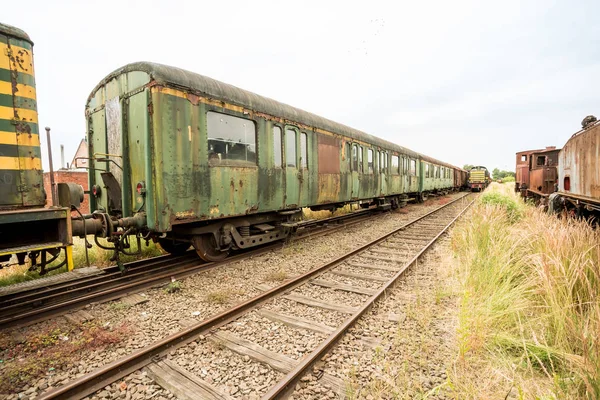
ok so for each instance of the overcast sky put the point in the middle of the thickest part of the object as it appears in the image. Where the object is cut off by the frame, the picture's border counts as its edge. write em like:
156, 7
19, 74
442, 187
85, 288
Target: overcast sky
462, 81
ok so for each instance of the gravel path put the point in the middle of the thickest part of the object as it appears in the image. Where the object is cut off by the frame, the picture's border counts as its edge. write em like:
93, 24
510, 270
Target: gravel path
201, 296
414, 326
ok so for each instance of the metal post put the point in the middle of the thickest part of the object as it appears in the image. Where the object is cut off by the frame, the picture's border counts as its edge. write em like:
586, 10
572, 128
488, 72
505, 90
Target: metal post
62, 156
52, 184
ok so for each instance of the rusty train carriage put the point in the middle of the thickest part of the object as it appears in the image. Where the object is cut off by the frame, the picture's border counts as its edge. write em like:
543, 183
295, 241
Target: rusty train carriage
193, 160
579, 172
26, 228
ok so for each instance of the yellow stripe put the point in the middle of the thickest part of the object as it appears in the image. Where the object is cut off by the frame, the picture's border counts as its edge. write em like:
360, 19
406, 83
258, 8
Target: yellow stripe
20, 163
24, 115
24, 139
22, 90
184, 95
23, 59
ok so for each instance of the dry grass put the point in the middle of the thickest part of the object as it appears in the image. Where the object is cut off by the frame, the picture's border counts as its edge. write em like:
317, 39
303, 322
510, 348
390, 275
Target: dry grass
217, 297
530, 312
307, 213
277, 276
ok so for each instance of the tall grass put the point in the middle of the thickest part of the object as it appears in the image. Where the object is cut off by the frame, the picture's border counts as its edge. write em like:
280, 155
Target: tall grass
530, 305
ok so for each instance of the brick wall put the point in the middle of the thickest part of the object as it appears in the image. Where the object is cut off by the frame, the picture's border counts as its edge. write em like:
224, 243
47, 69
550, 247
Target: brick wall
64, 176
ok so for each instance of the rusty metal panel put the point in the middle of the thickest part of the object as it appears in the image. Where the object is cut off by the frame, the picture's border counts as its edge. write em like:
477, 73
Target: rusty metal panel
578, 161
329, 154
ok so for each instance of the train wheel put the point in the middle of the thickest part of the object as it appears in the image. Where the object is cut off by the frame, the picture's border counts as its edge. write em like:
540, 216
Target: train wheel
206, 247
173, 247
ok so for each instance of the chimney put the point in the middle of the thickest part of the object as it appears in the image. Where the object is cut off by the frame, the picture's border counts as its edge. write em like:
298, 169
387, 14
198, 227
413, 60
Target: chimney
62, 156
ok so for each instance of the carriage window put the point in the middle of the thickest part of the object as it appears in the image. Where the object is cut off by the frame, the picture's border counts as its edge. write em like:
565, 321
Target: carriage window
382, 162
395, 165
277, 156
426, 170
361, 166
413, 167
405, 164
304, 150
385, 162
437, 172
370, 160
541, 160
290, 147
523, 157
231, 140
354, 157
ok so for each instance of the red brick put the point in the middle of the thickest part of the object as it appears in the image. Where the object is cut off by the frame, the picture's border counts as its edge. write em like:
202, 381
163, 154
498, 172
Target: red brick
65, 176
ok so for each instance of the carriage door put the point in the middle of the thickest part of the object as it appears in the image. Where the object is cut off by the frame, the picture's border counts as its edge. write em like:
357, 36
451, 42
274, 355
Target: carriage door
383, 171
356, 165
405, 177
292, 177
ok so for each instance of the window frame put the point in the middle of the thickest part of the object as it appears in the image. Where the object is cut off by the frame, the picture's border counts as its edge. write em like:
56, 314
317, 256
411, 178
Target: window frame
281, 150
304, 164
412, 167
295, 130
395, 171
224, 163
371, 155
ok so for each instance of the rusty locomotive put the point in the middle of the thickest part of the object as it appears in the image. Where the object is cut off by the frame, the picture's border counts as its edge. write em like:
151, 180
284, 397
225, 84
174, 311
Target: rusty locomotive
537, 173
189, 161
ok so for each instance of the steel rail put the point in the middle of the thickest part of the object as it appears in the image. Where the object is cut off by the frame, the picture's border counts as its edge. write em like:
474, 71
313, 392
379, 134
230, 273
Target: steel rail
96, 380
102, 288
135, 266
283, 386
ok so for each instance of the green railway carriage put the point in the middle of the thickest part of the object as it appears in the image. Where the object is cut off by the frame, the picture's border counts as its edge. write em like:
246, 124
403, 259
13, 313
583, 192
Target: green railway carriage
197, 161
26, 228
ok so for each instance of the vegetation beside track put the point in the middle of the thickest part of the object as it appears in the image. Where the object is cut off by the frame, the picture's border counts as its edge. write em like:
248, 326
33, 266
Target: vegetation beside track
529, 319
98, 257
55, 349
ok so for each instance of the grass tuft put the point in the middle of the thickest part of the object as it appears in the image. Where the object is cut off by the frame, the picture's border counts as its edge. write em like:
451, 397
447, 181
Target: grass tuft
277, 276
217, 297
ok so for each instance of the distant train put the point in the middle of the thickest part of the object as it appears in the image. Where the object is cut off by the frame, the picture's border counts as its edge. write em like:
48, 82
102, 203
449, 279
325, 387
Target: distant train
479, 178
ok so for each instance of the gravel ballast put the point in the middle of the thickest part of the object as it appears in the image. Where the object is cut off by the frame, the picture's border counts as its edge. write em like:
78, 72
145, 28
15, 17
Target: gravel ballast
208, 293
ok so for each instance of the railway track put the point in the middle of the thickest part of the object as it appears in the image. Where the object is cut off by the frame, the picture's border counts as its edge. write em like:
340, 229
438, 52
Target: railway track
37, 304
378, 265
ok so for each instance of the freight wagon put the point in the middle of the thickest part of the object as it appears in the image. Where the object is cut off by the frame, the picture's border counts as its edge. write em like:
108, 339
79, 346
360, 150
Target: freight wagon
187, 160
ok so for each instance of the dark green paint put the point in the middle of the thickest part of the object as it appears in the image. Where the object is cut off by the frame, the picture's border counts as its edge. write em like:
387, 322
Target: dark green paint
7, 100
22, 78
